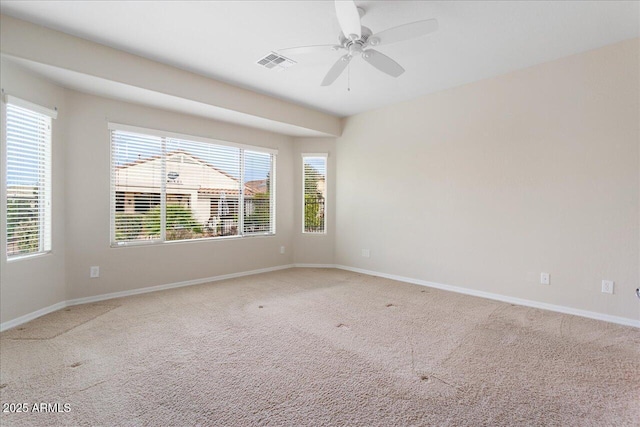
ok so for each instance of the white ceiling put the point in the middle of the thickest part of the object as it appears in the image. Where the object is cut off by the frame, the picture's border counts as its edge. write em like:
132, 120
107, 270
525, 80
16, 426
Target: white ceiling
224, 39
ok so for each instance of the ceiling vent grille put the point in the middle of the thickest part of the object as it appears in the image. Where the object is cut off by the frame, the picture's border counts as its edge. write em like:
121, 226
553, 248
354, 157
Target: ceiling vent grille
276, 61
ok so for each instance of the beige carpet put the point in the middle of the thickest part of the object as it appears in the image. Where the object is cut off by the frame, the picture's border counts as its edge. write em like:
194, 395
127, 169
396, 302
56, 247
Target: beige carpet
308, 347
58, 323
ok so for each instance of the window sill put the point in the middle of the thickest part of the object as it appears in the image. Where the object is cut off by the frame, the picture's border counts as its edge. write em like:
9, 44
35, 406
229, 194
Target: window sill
27, 256
189, 241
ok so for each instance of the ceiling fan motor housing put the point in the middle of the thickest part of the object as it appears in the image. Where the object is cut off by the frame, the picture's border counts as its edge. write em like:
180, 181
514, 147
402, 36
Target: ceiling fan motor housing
361, 42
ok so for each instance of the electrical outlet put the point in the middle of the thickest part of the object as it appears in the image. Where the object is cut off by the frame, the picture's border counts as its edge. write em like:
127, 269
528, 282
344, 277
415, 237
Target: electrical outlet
366, 253
545, 279
94, 272
607, 286
281, 249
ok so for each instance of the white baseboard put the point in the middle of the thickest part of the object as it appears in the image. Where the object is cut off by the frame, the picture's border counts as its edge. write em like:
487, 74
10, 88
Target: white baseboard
512, 300
28, 317
314, 265
138, 291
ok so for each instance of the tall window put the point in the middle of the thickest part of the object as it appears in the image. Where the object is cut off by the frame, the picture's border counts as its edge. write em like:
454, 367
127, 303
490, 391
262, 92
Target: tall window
28, 178
168, 187
314, 192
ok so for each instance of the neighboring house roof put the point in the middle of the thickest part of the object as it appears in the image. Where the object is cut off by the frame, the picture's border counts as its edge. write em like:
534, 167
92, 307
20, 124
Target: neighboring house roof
188, 171
257, 185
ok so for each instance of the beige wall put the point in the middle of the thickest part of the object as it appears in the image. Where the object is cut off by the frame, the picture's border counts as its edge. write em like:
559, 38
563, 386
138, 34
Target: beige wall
81, 236
31, 284
314, 248
482, 186
87, 189
487, 185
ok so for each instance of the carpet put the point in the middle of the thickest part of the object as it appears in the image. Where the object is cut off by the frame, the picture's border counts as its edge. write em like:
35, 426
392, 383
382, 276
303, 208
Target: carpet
59, 322
316, 347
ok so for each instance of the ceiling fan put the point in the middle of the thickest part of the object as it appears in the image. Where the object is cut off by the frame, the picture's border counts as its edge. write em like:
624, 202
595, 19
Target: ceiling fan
356, 39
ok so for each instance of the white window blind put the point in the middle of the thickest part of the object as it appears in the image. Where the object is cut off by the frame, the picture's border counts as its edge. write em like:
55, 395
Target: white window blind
28, 178
168, 188
314, 193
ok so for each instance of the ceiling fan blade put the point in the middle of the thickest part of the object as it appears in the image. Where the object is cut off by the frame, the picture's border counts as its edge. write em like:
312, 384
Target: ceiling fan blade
348, 18
404, 32
310, 49
382, 62
336, 70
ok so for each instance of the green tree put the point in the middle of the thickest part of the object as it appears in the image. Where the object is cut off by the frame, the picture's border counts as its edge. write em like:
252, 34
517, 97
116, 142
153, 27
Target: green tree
180, 223
313, 200
22, 226
129, 226
260, 218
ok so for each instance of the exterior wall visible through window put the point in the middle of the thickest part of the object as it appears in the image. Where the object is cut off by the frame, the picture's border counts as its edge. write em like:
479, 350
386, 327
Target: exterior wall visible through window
168, 188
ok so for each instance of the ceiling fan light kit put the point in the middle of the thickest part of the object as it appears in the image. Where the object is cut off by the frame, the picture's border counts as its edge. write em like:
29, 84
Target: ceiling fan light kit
359, 40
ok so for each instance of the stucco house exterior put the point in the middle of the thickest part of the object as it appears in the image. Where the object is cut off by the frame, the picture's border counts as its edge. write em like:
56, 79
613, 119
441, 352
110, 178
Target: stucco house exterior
211, 194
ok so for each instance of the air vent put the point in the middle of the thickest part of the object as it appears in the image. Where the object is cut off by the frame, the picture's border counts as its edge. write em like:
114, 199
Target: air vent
276, 61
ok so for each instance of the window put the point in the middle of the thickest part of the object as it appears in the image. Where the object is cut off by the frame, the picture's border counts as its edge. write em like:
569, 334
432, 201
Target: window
169, 187
314, 193
28, 178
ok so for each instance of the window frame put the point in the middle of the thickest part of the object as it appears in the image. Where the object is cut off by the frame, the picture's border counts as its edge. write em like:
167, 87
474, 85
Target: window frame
324, 156
45, 205
163, 195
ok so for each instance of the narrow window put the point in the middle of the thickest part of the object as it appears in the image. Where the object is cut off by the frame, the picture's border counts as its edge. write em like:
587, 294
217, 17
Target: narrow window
314, 193
28, 178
